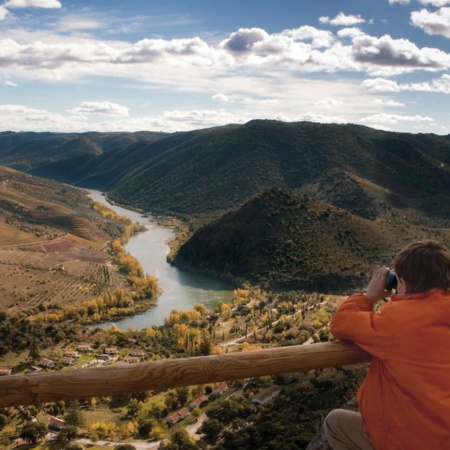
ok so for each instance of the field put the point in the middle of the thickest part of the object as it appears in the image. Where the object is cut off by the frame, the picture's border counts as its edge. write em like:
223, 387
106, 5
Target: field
53, 245
58, 272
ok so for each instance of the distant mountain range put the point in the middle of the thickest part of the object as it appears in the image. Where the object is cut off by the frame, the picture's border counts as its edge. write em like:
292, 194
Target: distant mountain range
398, 183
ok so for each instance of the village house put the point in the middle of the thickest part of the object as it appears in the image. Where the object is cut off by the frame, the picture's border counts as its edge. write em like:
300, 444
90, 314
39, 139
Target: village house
111, 351
84, 348
137, 352
72, 353
177, 416
4, 371
220, 388
103, 357
45, 362
132, 359
198, 402
56, 424
263, 397
68, 360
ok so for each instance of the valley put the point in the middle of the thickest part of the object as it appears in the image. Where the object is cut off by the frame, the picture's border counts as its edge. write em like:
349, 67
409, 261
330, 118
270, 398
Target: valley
294, 216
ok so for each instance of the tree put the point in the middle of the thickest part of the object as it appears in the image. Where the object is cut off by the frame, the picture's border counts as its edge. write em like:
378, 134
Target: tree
182, 395
34, 350
74, 416
31, 432
181, 440
66, 434
211, 429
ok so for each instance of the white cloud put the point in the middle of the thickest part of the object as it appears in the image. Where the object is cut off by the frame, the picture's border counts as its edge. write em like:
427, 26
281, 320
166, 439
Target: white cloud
244, 39
342, 19
33, 4
318, 38
389, 102
435, 2
440, 85
108, 108
350, 32
328, 103
220, 98
433, 22
10, 83
397, 53
403, 2
394, 119
3, 13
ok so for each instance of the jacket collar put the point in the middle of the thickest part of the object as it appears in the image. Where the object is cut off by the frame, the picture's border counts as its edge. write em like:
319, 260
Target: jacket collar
436, 293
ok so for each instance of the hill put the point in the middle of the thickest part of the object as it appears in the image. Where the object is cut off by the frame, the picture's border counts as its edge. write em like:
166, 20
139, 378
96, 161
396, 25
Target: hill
207, 172
290, 241
199, 175
53, 245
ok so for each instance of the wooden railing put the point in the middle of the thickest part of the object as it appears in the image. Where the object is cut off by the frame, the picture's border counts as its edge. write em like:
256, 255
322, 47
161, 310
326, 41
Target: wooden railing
159, 375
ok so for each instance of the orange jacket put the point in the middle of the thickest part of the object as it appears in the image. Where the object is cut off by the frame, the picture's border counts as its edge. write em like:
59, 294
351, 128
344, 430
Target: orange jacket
405, 397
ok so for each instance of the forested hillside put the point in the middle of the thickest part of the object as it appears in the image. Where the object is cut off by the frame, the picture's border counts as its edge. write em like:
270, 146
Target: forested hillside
291, 241
203, 173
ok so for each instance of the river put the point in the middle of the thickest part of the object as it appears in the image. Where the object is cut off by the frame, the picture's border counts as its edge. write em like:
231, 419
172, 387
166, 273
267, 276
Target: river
180, 289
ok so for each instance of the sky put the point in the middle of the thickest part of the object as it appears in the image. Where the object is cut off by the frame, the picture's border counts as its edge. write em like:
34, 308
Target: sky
178, 65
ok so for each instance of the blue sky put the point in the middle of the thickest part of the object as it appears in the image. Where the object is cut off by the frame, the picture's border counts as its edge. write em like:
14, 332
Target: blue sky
176, 65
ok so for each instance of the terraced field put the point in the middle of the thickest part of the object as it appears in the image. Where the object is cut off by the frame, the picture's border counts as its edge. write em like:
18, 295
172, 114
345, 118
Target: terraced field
57, 272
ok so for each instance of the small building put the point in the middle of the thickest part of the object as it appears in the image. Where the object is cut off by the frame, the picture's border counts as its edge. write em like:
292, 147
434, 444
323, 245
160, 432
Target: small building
132, 359
220, 388
111, 351
85, 348
45, 362
198, 402
56, 424
68, 360
177, 416
103, 357
263, 397
72, 353
4, 371
137, 352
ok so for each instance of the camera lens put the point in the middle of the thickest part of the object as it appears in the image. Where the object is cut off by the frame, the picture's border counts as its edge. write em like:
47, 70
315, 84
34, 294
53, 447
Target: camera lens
391, 281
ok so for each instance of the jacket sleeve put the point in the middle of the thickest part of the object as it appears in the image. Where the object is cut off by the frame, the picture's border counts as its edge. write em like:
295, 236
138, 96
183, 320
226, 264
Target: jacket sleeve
356, 321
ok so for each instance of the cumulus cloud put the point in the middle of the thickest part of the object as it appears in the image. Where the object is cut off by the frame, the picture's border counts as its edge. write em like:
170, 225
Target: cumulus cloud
220, 98
440, 85
403, 2
318, 38
342, 20
393, 119
108, 108
328, 103
389, 102
350, 32
437, 22
3, 13
435, 2
386, 51
244, 39
33, 4
10, 83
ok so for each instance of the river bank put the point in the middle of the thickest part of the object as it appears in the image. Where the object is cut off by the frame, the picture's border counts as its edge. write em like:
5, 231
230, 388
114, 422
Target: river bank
180, 289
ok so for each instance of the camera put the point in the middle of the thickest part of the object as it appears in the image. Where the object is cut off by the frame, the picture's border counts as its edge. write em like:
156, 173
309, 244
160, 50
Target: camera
391, 281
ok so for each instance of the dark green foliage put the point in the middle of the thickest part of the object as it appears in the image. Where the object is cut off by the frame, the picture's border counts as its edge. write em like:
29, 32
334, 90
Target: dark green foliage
291, 420
206, 172
66, 434
285, 240
32, 432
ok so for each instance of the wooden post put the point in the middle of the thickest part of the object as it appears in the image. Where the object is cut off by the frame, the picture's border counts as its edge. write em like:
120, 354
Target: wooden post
160, 375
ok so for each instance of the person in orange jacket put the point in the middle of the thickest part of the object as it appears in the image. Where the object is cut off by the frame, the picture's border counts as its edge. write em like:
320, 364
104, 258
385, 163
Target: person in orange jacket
404, 401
